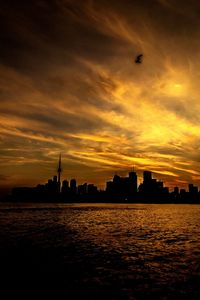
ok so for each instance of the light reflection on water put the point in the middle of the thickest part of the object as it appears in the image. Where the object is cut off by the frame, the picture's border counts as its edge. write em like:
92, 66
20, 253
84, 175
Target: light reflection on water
145, 250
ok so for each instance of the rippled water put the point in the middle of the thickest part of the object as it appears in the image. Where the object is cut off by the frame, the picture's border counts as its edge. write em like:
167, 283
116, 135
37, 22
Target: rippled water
101, 251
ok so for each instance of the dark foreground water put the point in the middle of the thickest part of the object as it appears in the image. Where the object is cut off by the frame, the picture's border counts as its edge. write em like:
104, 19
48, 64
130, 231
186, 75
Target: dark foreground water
102, 251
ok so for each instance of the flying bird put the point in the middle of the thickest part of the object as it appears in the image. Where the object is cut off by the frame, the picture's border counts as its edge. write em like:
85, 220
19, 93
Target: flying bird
138, 59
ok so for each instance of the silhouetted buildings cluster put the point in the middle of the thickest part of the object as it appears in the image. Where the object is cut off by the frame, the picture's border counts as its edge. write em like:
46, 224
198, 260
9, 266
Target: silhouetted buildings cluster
122, 186
152, 187
53, 191
73, 189
120, 189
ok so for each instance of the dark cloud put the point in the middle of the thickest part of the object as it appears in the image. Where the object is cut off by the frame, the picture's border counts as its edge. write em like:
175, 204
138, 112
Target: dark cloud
39, 35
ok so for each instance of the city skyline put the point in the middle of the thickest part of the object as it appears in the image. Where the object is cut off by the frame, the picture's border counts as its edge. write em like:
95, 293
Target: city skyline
137, 183
69, 83
60, 180
117, 189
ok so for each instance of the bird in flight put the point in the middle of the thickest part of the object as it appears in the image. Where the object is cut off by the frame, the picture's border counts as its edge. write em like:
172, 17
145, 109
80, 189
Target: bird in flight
138, 59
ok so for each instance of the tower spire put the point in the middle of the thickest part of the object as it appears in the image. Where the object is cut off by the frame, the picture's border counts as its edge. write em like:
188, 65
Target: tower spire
59, 172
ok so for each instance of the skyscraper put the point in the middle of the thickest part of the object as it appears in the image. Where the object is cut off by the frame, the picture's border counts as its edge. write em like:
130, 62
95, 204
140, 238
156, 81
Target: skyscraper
59, 172
147, 176
132, 182
73, 188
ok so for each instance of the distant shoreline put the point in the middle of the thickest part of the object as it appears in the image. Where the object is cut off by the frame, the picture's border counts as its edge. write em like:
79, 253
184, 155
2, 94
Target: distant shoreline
79, 200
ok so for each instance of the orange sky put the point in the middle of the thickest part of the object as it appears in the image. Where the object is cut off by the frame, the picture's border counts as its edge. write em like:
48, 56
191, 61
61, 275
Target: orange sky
69, 84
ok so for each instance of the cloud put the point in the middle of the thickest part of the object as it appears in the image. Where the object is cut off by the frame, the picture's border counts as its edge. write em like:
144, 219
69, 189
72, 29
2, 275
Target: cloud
68, 83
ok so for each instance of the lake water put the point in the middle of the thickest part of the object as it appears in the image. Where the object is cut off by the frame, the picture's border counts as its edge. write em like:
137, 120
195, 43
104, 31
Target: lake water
100, 251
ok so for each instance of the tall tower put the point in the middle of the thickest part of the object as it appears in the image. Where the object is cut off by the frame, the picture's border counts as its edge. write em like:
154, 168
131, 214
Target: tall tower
59, 172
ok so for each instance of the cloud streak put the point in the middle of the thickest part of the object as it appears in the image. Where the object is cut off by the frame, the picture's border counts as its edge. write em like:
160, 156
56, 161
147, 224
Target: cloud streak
68, 83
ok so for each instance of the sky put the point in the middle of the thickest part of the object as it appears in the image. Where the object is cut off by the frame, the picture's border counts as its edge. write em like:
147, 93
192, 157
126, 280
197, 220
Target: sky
69, 84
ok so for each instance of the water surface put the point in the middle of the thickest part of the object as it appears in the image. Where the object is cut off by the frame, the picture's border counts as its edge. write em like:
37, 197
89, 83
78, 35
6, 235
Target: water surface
101, 251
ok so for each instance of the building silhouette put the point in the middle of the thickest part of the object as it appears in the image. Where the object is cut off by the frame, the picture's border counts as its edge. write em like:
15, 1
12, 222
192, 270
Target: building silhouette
151, 187
73, 188
59, 173
65, 187
82, 189
119, 189
123, 186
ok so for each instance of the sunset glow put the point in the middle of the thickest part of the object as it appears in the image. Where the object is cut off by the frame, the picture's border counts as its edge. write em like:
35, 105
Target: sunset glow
74, 88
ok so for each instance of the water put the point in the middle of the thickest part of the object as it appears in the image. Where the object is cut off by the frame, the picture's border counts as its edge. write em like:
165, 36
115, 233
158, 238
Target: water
100, 251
